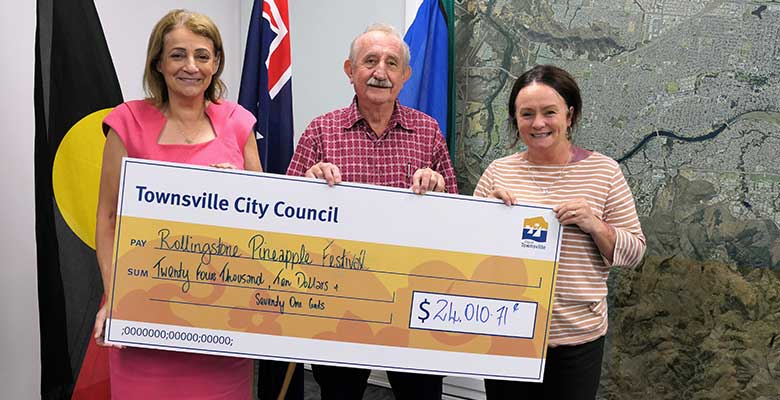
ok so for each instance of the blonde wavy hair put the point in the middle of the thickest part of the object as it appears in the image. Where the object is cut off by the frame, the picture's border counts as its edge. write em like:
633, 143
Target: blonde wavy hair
154, 81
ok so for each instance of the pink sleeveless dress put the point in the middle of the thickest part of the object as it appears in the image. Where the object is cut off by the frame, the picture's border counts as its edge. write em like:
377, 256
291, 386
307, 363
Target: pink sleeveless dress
157, 374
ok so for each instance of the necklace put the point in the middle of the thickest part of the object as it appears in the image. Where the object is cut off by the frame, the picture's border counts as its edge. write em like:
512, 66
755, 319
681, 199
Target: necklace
189, 139
546, 189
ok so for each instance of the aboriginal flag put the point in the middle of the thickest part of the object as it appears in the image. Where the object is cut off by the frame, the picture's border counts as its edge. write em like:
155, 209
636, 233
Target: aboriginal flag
75, 83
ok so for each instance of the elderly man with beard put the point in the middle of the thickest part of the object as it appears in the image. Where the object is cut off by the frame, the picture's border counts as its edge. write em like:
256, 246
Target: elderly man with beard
378, 141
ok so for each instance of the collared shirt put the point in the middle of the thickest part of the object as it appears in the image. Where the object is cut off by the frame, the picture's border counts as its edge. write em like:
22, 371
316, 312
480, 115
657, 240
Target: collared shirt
411, 141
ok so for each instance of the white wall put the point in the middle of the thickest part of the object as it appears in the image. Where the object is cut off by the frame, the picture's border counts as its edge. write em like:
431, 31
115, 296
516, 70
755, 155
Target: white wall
19, 351
127, 25
321, 33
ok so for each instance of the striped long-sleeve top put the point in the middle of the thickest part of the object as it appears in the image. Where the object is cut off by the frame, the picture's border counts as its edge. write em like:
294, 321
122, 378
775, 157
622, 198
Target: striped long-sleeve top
580, 303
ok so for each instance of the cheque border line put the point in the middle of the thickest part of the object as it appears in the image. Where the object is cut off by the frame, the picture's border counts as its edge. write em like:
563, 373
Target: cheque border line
317, 360
119, 215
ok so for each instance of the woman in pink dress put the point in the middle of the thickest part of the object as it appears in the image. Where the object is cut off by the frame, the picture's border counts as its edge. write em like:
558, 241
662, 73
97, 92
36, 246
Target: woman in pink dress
184, 119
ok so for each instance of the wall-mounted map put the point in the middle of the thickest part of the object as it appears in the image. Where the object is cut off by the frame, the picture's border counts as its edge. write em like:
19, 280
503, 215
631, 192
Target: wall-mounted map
686, 95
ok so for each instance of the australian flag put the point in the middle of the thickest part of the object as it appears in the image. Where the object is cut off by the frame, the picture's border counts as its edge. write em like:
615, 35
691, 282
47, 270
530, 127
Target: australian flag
266, 83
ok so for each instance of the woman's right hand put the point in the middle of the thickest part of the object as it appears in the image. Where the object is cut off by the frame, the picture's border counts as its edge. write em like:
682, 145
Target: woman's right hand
223, 165
503, 195
99, 330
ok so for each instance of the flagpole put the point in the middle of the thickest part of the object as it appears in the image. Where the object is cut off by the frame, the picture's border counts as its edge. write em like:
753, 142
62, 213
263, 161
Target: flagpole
449, 8
287, 379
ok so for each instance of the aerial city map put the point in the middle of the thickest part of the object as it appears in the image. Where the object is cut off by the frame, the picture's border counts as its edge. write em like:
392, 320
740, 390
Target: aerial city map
686, 96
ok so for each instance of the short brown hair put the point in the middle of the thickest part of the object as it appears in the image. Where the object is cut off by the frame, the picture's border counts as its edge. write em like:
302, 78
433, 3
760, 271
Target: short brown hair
554, 77
199, 24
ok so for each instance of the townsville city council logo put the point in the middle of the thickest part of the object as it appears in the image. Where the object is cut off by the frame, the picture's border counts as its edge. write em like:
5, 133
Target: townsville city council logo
535, 229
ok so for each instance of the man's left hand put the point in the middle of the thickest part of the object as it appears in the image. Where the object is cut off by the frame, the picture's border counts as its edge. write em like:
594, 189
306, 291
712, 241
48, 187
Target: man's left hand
426, 179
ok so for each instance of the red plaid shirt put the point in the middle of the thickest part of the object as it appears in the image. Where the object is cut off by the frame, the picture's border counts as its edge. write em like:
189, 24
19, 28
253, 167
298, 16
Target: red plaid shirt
343, 137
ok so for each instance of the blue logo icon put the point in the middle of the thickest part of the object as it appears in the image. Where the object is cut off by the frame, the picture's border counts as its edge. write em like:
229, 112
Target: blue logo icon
535, 229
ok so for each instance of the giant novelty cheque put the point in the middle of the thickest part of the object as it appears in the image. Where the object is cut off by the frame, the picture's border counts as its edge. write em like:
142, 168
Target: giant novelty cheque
256, 265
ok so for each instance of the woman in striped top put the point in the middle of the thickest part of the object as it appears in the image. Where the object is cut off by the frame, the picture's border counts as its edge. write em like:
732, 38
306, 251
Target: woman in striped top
591, 199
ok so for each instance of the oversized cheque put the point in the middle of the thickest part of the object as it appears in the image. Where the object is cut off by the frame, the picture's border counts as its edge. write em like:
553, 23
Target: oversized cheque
266, 266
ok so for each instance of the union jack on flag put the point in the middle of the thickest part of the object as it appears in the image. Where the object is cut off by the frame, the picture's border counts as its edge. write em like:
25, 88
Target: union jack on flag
266, 83
278, 60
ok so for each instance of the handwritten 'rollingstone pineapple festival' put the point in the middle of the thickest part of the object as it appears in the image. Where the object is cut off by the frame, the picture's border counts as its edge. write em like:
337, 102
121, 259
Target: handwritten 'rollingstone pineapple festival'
259, 251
